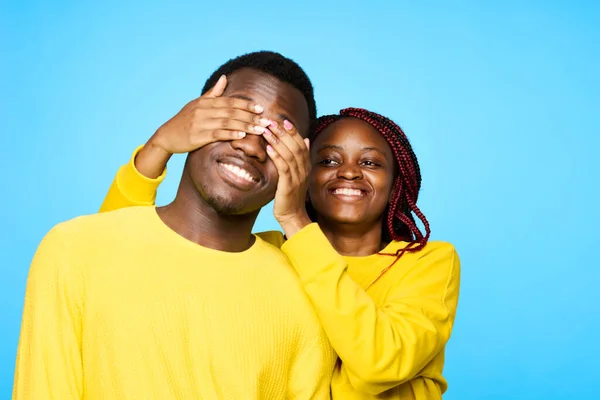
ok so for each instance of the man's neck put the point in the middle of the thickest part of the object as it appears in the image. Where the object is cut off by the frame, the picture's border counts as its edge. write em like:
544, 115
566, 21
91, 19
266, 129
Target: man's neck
353, 240
193, 218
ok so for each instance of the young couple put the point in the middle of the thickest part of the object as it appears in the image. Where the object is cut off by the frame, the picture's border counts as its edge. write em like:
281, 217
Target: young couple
184, 302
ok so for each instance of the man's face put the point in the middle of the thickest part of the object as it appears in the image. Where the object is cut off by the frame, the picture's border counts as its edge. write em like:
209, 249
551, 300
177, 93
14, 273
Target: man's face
238, 177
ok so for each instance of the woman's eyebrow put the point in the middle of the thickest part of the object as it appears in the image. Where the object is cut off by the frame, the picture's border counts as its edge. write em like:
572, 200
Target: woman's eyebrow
366, 149
331, 147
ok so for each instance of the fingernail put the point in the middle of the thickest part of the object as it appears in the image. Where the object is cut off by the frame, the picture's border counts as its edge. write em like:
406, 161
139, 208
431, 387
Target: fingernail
258, 108
270, 149
241, 134
259, 129
264, 121
267, 132
273, 124
287, 125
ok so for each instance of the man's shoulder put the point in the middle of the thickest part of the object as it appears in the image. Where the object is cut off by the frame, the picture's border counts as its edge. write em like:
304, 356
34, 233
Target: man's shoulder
272, 259
82, 227
274, 238
269, 249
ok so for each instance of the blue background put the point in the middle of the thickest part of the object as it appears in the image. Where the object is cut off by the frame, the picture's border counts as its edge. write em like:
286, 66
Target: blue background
501, 102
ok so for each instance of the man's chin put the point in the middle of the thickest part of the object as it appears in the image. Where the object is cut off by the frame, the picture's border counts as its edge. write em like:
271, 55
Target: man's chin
226, 207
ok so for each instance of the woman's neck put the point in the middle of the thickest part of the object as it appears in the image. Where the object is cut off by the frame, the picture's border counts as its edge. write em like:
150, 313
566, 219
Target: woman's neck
353, 240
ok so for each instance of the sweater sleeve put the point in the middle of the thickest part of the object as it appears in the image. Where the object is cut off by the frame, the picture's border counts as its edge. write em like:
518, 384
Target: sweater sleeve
131, 188
49, 363
384, 346
311, 373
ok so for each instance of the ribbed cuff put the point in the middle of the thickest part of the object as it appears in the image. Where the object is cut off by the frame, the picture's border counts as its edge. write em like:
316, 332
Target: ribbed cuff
136, 186
310, 252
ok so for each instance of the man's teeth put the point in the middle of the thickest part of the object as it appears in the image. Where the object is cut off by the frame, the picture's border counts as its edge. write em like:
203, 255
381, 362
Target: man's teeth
242, 173
348, 192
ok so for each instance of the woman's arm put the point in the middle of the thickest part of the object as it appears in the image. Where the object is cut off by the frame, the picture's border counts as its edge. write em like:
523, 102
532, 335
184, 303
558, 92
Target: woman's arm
207, 119
380, 346
131, 187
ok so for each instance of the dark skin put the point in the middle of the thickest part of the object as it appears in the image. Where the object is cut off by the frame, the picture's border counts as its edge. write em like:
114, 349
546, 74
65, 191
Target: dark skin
350, 184
226, 183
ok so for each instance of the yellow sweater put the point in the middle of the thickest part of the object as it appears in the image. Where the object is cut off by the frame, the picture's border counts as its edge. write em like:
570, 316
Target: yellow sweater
391, 337
119, 306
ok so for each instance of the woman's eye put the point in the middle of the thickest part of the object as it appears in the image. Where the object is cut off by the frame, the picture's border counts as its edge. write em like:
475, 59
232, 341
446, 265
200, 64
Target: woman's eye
371, 163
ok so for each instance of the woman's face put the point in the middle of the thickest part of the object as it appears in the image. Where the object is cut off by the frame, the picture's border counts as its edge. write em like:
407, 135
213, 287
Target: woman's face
352, 173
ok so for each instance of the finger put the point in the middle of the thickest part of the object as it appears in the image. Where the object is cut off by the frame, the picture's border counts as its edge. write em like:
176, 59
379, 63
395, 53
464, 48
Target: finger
291, 130
302, 143
232, 125
230, 102
295, 146
284, 154
205, 137
284, 183
307, 161
237, 114
218, 89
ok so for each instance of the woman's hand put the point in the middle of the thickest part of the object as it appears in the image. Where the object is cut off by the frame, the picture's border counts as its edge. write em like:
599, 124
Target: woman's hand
290, 154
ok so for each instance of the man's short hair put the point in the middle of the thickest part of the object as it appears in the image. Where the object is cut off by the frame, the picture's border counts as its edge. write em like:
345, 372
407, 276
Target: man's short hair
272, 63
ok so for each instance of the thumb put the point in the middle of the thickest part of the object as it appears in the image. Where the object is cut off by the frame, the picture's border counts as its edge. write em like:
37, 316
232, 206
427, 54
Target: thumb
218, 89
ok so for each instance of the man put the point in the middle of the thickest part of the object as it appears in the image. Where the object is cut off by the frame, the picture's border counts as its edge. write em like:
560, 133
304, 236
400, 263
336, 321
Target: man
182, 301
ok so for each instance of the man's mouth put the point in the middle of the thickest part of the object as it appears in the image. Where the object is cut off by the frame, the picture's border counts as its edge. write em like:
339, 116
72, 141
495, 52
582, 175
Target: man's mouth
239, 172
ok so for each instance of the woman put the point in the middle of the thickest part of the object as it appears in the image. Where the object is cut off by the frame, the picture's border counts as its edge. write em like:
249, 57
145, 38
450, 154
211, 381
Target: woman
385, 295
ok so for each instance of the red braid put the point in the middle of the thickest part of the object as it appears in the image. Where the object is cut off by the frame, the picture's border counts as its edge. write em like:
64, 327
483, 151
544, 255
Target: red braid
399, 223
